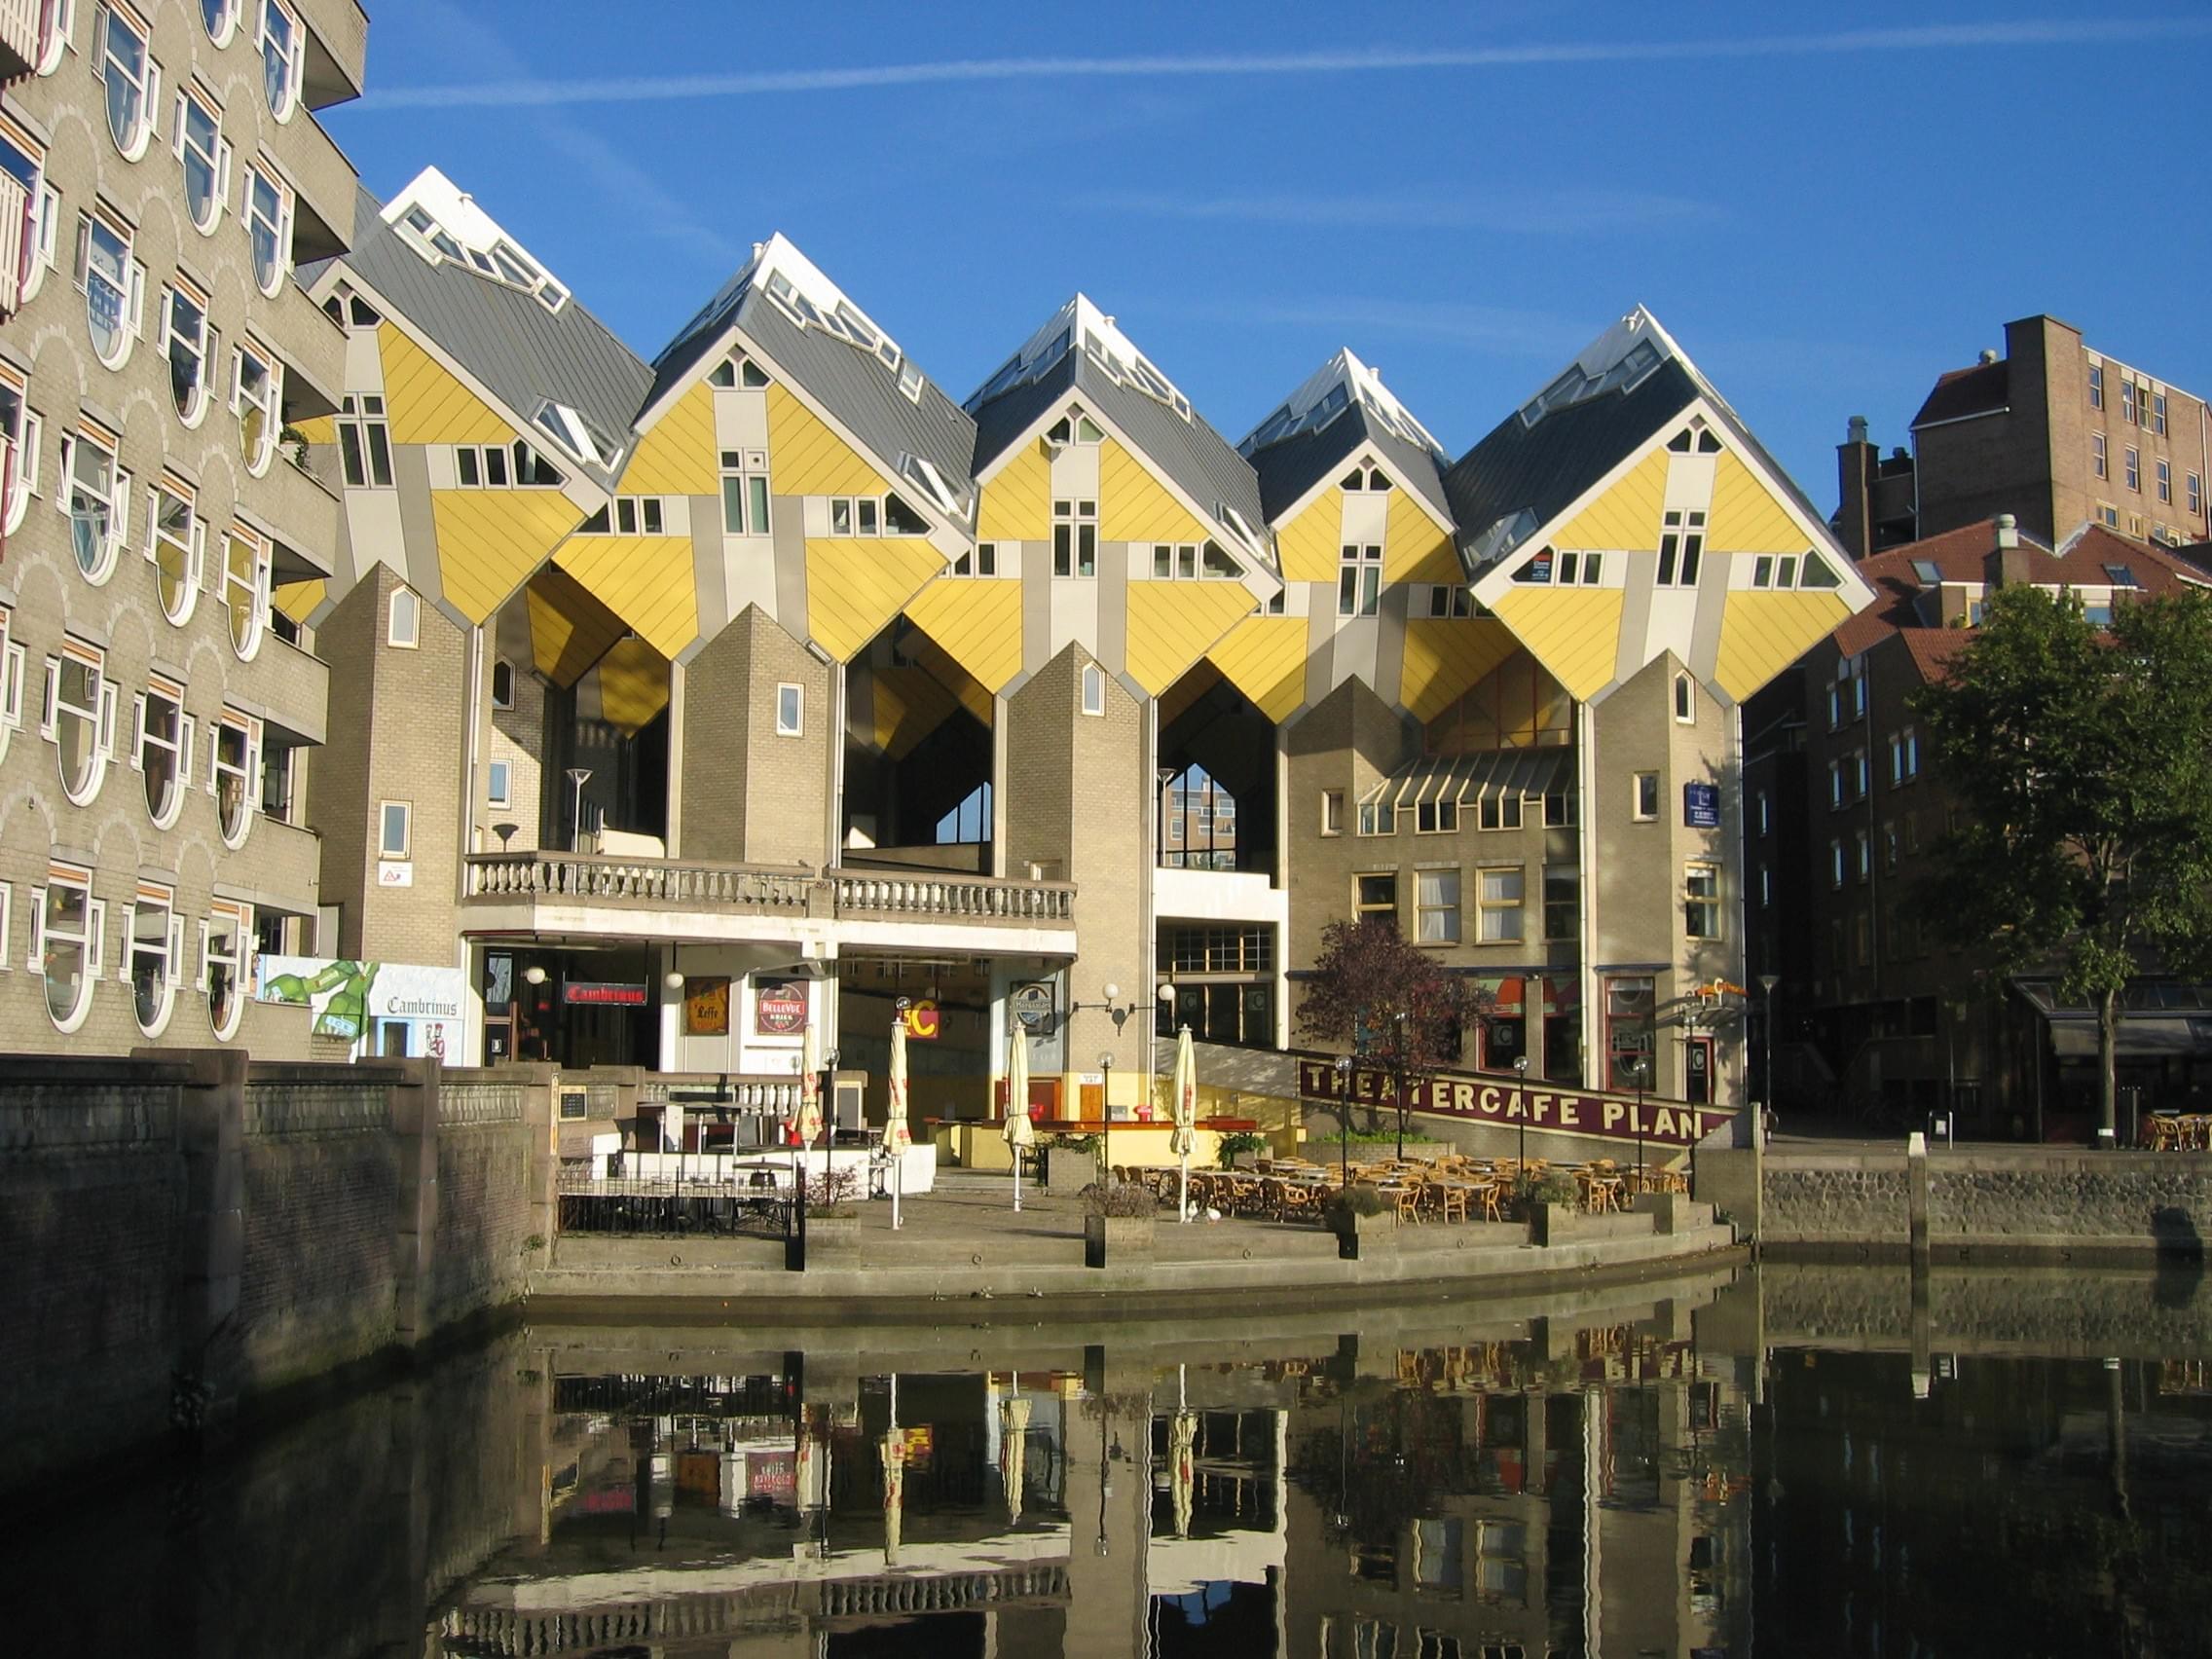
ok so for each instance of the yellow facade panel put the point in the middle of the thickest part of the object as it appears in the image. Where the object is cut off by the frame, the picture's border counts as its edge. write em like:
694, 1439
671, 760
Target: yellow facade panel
1573, 632
1747, 517
941, 666
677, 457
977, 623
424, 404
1265, 658
1173, 624
490, 541
854, 586
1444, 657
805, 458
568, 629
1415, 547
1626, 517
298, 599
1762, 634
318, 429
908, 705
1133, 505
1017, 501
1311, 543
649, 581
632, 684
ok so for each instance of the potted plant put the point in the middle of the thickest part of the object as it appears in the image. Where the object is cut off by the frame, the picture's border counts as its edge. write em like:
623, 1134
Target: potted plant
1553, 1203
1360, 1218
832, 1223
1071, 1162
1116, 1223
1238, 1142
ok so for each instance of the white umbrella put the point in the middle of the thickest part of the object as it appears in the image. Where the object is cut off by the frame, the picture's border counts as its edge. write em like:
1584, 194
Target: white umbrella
896, 1139
1182, 1438
894, 1492
1019, 1135
1185, 1087
809, 1123
1013, 1435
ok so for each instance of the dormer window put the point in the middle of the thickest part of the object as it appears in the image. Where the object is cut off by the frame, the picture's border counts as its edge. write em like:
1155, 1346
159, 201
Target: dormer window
1695, 436
574, 434
499, 260
1073, 428
738, 371
1365, 478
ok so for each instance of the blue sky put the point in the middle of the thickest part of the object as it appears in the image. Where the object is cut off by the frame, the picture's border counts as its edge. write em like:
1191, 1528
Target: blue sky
1827, 210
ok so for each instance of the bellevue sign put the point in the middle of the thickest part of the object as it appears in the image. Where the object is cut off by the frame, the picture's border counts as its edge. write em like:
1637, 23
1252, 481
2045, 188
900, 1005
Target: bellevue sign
1608, 1117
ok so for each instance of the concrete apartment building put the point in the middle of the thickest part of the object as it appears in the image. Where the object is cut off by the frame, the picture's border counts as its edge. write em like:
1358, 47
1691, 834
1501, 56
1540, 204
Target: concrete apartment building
766, 681
2053, 431
1846, 802
162, 171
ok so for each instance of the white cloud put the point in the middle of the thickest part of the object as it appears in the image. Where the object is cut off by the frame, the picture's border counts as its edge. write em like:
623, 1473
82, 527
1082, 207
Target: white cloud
1550, 212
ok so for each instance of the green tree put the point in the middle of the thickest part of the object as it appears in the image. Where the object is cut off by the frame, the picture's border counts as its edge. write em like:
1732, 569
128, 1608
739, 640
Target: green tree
2081, 760
1389, 1003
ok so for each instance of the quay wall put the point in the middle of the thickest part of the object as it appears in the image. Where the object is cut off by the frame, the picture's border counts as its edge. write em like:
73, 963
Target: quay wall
188, 1230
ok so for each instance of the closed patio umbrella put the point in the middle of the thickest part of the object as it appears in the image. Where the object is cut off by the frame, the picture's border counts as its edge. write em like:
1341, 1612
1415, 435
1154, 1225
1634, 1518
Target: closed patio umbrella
894, 1492
1182, 1440
1185, 1087
1019, 1135
896, 1139
809, 1124
1014, 1437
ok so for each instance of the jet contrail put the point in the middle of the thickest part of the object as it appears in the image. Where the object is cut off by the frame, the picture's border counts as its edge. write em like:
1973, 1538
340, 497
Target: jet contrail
493, 95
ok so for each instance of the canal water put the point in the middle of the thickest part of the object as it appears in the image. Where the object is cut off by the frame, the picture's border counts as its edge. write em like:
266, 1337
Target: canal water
1689, 1468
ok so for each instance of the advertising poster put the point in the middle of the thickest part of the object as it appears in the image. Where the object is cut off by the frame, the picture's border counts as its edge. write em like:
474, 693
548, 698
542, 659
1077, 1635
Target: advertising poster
375, 1007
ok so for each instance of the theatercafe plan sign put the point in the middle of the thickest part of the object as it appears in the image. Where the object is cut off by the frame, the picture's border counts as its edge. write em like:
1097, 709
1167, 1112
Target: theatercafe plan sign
1489, 1100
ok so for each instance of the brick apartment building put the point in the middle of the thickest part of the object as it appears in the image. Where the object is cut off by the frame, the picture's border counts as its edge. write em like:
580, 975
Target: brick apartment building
2052, 431
162, 170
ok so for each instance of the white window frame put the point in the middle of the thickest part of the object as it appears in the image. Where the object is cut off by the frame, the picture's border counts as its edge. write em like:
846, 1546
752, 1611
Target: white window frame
1499, 812
164, 815
190, 554
1635, 792
2163, 470
1363, 907
1493, 913
246, 630
363, 432
1075, 539
169, 950
271, 410
1441, 913
289, 60
1835, 864
1681, 547
790, 709
1685, 700
1359, 579
979, 562
498, 701
247, 772
1378, 818
23, 446
217, 159
1439, 817
99, 716
1701, 899
238, 959
1093, 689
403, 620
406, 811
2100, 461
224, 24
128, 287
747, 470
106, 69
278, 229
113, 495
92, 942
1332, 812
169, 341
60, 26
624, 515
2131, 460
498, 782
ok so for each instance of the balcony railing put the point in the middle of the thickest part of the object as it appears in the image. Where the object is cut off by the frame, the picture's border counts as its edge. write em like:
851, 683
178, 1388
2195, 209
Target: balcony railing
15, 236
22, 32
750, 889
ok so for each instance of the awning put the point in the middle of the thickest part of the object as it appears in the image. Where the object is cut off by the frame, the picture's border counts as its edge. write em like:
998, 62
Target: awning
1493, 775
2138, 1038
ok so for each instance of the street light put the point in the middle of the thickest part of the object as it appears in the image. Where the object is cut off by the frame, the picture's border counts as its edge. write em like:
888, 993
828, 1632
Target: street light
1106, 1109
1344, 1120
1767, 983
1520, 1086
1398, 1057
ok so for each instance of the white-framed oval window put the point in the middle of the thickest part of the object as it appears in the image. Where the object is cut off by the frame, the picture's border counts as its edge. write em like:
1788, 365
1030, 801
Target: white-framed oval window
153, 945
233, 765
267, 206
96, 496
221, 17
282, 50
246, 589
66, 924
204, 157
125, 65
184, 342
223, 962
80, 717
58, 21
113, 284
21, 431
253, 394
178, 549
13, 664
164, 751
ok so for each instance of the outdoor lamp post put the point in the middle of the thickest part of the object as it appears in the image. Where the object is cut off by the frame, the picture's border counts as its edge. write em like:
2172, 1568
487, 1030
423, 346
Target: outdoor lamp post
1520, 1086
1106, 1113
1344, 1120
1767, 983
1398, 1058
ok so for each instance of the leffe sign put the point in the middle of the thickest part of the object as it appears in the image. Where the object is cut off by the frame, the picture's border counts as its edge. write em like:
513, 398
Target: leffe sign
1480, 1099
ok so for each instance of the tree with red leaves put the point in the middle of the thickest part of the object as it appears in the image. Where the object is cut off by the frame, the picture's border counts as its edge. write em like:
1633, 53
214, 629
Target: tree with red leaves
1388, 1002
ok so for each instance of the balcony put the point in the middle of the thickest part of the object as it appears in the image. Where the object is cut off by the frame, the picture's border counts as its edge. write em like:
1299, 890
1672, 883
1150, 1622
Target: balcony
326, 186
337, 51
301, 511
21, 28
283, 865
14, 233
286, 688
581, 896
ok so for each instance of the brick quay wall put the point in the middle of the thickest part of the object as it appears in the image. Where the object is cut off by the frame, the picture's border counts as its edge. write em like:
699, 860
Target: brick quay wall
186, 1231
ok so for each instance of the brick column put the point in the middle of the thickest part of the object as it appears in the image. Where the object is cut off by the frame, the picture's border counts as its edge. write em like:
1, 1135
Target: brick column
212, 1230
415, 1131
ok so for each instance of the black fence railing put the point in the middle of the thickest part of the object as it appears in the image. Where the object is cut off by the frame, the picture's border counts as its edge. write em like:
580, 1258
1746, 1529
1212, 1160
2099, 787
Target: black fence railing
674, 1209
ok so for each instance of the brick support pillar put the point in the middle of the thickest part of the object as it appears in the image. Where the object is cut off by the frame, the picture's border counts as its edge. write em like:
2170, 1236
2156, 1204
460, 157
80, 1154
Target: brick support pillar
212, 1230
415, 1131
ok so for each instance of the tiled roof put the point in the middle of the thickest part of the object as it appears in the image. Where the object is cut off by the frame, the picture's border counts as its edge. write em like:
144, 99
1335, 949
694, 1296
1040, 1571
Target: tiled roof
1982, 390
1963, 556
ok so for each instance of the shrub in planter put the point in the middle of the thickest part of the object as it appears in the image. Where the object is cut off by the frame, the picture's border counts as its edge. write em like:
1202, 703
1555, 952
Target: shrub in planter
1119, 1199
1238, 1142
1356, 1215
1117, 1221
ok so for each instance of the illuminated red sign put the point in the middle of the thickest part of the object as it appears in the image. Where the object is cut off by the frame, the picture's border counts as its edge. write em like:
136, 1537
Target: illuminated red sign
599, 994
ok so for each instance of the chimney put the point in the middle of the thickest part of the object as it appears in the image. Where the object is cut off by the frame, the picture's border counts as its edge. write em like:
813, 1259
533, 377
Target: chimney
1854, 430
1988, 355
1855, 462
2009, 562
2008, 531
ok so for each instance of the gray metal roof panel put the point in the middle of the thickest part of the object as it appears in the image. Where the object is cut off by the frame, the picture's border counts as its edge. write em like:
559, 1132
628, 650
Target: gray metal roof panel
1199, 458
522, 352
1005, 418
1291, 466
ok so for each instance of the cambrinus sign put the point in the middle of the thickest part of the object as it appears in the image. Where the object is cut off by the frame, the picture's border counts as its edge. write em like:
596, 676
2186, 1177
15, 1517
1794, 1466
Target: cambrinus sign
1482, 1099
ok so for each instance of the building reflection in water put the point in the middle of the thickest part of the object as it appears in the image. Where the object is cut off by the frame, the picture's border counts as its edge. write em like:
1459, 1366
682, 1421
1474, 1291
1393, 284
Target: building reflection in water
1579, 1492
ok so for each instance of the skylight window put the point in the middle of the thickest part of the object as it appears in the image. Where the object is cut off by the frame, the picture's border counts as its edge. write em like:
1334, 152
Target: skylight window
467, 237
1577, 385
574, 433
2122, 576
933, 485
1928, 572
